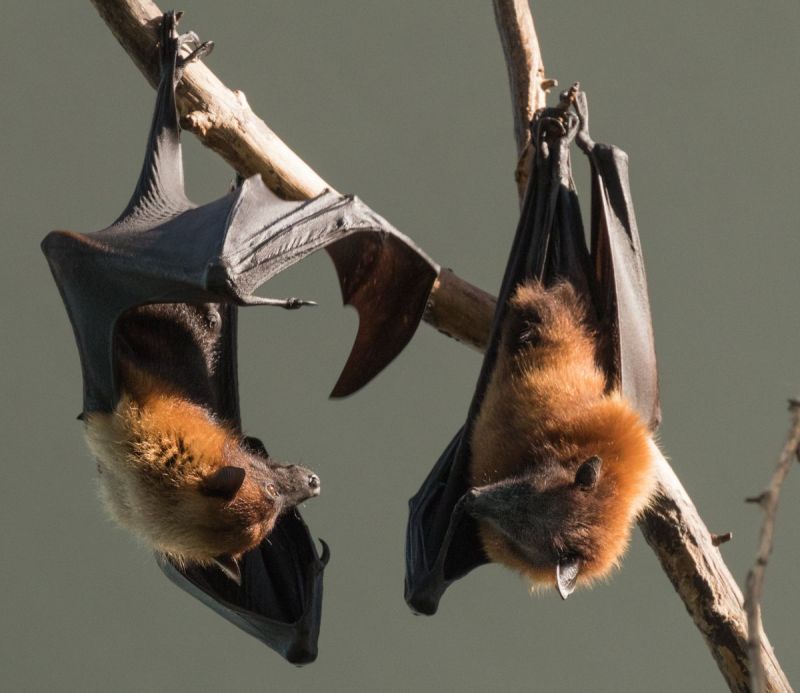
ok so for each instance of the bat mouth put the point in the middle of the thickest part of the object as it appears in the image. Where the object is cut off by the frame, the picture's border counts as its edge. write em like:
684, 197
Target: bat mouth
296, 484
314, 485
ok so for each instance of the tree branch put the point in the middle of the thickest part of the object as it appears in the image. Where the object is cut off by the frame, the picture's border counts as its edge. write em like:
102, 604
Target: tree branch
222, 120
768, 500
672, 526
529, 86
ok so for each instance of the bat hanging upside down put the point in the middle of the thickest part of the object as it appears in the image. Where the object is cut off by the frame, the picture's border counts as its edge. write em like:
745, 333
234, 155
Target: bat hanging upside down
170, 471
560, 467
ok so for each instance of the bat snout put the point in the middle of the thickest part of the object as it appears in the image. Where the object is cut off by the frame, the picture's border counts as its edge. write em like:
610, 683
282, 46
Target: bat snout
296, 484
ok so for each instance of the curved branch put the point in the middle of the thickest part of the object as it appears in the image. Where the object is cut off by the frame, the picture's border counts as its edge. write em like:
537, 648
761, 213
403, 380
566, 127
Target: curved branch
672, 526
223, 121
526, 77
768, 500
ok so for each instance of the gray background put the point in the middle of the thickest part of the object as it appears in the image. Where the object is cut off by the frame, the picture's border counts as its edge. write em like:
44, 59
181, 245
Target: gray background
406, 103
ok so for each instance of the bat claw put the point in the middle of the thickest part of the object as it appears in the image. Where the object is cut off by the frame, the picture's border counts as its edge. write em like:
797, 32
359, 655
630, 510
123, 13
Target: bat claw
172, 43
201, 51
295, 303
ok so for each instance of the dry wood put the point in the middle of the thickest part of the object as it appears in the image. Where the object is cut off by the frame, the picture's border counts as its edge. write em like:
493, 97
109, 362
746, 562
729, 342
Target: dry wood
460, 310
768, 500
222, 120
672, 526
526, 76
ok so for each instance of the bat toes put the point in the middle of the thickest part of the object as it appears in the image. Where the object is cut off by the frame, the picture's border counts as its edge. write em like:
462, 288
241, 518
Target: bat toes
196, 49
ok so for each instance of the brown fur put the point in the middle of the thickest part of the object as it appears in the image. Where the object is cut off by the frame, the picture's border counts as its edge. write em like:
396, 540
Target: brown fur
545, 412
157, 450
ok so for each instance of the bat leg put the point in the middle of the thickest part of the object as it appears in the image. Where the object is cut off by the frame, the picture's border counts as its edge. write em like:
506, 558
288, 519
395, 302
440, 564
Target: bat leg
584, 140
189, 45
199, 51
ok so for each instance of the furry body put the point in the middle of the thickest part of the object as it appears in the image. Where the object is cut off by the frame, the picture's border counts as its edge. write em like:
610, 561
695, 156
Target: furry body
170, 471
561, 467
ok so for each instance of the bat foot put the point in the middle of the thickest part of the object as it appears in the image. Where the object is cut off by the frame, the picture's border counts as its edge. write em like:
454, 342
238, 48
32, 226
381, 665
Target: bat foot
183, 48
197, 49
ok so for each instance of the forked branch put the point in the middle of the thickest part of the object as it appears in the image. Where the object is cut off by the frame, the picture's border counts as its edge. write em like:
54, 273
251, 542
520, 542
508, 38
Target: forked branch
768, 500
672, 526
223, 121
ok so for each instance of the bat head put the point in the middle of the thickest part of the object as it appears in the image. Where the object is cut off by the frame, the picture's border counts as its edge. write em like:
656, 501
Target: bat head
566, 522
561, 467
189, 486
549, 519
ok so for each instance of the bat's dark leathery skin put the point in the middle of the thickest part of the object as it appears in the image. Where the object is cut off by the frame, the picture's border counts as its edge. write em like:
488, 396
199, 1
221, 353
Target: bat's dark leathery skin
159, 288
443, 541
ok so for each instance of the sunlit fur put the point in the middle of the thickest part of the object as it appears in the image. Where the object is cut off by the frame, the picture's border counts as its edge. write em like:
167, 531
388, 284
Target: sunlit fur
153, 454
546, 411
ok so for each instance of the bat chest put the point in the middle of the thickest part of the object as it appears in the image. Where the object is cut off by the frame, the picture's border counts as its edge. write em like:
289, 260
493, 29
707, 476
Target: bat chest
176, 343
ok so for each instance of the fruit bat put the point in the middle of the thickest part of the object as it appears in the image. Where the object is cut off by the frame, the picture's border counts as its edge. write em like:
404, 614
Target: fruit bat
555, 459
153, 302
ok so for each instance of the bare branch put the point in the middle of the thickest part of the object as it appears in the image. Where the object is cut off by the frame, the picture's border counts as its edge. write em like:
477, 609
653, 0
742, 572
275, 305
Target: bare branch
680, 539
526, 77
720, 539
755, 578
223, 121
672, 526
220, 117
461, 311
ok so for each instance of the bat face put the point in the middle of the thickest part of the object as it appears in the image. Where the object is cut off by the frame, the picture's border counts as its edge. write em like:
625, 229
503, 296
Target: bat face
185, 484
170, 471
560, 467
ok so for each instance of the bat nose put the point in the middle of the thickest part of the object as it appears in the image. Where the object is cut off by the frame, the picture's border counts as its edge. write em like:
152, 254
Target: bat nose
313, 481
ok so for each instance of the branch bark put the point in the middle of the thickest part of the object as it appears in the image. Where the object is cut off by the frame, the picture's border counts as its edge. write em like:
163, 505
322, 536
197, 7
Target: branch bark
768, 500
526, 76
222, 120
672, 526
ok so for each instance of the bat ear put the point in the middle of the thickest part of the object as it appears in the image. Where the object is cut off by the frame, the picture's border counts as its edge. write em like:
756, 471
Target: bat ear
224, 483
255, 446
567, 575
588, 473
230, 566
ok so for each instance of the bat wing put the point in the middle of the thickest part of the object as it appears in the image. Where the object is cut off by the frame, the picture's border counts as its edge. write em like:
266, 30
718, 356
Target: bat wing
549, 245
279, 600
621, 295
163, 249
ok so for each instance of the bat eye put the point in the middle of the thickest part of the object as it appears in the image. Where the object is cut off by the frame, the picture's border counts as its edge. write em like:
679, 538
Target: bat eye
588, 473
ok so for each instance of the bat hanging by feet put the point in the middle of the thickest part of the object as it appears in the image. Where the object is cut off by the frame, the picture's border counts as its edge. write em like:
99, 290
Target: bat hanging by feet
153, 302
555, 461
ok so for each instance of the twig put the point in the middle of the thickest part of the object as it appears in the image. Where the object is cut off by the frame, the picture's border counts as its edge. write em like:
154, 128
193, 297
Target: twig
222, 120
755, 578
526, 76
672, 526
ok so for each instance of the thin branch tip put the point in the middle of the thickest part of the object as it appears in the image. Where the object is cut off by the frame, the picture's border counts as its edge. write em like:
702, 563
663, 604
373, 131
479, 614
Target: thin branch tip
719, 539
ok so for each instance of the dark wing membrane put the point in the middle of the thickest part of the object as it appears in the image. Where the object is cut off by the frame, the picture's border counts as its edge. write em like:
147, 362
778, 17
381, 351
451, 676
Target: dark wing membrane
164, 250
442, 541
549, 245
625, 307
388, 280
280, 598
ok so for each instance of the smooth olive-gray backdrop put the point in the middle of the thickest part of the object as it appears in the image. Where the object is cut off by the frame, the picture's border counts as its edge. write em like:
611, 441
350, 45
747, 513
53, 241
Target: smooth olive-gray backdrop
406, 103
